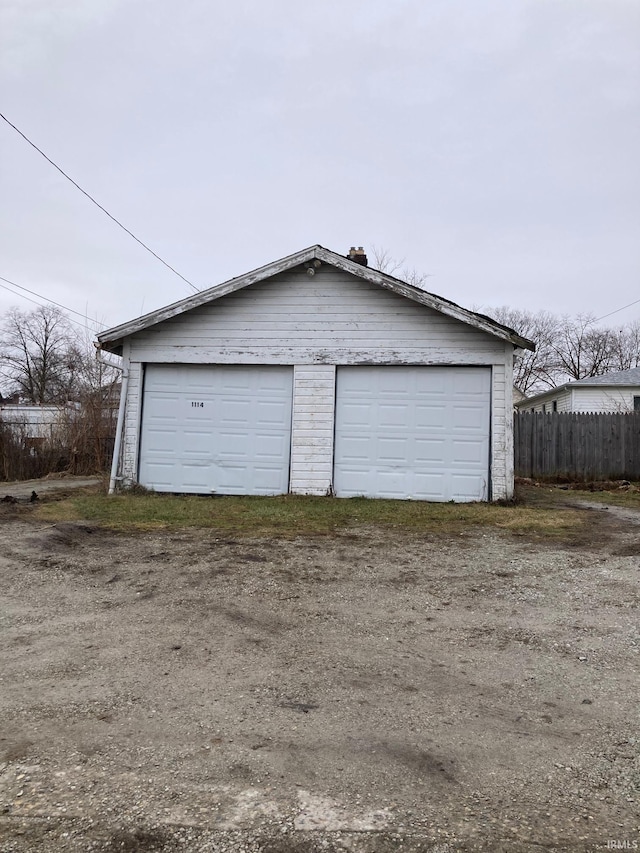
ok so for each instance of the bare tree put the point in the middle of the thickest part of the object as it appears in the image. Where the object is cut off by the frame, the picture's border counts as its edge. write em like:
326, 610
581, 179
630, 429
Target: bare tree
385, 262
583, 349
567, 348
532, 371
48, 361
35, 354
96, 393
626, 347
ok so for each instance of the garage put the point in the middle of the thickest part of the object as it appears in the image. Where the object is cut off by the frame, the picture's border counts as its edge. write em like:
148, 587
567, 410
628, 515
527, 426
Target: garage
318, 375
216, 429
413, 432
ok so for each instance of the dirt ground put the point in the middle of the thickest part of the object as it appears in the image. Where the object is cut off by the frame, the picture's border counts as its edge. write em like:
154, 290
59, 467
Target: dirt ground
22, 489
366, 692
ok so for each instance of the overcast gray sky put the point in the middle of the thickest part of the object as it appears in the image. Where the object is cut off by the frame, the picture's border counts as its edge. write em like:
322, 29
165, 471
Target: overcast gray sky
493, 144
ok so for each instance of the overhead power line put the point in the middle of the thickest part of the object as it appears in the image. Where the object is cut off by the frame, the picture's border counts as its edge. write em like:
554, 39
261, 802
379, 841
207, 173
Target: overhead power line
604, 316
97, 204
46, 299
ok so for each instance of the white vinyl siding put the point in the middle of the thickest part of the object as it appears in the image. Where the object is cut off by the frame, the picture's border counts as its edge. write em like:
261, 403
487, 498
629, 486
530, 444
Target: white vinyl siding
561, 398
587, 399
563, 401
604, 399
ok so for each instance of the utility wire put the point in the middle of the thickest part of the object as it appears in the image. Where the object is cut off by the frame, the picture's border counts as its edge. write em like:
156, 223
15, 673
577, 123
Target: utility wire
46, 299
28, 298
604, 316
21, 296
97, 204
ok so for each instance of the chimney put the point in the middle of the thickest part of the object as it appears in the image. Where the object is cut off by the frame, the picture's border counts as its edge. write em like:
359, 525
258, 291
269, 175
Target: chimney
358, 256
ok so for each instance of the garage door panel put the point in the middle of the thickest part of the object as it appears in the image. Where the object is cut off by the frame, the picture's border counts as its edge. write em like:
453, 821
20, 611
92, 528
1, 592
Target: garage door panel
236, 384
465, 487
197, 418
465, 452
232, 480
271, 414
429, 416
358, 483
264, 480
166, 409
196, 443
358, 415
194, 475
162, 441
280, 383
358, 448
233, 445
392, 451
428, 486
162, 473
234, 411
216, 429
469, 417
428, 452
392, 483
169, 380
423, 427
387, 385
392, 415
268, 448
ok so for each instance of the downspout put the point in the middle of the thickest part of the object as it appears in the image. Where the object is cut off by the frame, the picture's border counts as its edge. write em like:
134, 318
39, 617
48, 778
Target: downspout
120, 422
119, 426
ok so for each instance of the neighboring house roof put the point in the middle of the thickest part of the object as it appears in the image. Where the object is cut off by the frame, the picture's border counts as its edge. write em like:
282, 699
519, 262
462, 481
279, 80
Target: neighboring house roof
112, 339
619, 379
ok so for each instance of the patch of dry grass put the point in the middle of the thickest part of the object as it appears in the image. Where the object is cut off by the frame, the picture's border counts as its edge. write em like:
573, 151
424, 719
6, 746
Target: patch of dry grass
293, 515
616, 497
551, 494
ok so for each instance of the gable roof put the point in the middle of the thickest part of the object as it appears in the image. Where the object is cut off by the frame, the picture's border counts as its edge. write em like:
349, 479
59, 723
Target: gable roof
112, 339
619, 379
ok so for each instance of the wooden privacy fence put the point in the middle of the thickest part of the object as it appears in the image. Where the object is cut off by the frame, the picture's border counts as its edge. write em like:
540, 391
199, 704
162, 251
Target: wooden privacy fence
577, 446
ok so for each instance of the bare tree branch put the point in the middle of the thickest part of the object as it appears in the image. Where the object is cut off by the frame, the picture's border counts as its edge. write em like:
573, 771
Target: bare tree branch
385, 262
35, 354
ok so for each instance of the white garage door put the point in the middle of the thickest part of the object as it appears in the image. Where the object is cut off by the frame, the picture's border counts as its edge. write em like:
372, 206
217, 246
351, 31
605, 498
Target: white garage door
216, 429
413, 432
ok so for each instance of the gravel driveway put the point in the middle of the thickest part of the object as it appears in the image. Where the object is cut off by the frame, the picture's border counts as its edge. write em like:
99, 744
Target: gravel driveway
364, 692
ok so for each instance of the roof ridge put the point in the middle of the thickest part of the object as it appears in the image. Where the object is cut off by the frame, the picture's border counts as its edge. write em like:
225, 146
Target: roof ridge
114, 336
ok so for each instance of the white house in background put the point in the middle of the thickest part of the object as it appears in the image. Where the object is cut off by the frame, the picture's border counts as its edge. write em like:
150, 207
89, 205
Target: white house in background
317, 375
612, 392
35, 422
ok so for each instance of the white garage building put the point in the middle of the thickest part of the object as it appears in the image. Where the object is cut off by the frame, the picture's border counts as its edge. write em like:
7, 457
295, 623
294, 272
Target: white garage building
317, 375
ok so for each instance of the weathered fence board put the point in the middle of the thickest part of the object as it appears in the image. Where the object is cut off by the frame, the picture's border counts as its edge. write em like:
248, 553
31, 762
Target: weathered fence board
577, 446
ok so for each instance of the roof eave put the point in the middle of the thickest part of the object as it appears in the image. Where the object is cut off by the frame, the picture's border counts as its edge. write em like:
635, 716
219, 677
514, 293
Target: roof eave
117, 333
424, 297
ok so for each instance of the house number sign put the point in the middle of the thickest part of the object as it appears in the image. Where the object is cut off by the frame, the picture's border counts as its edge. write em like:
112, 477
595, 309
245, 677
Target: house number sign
196, 405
